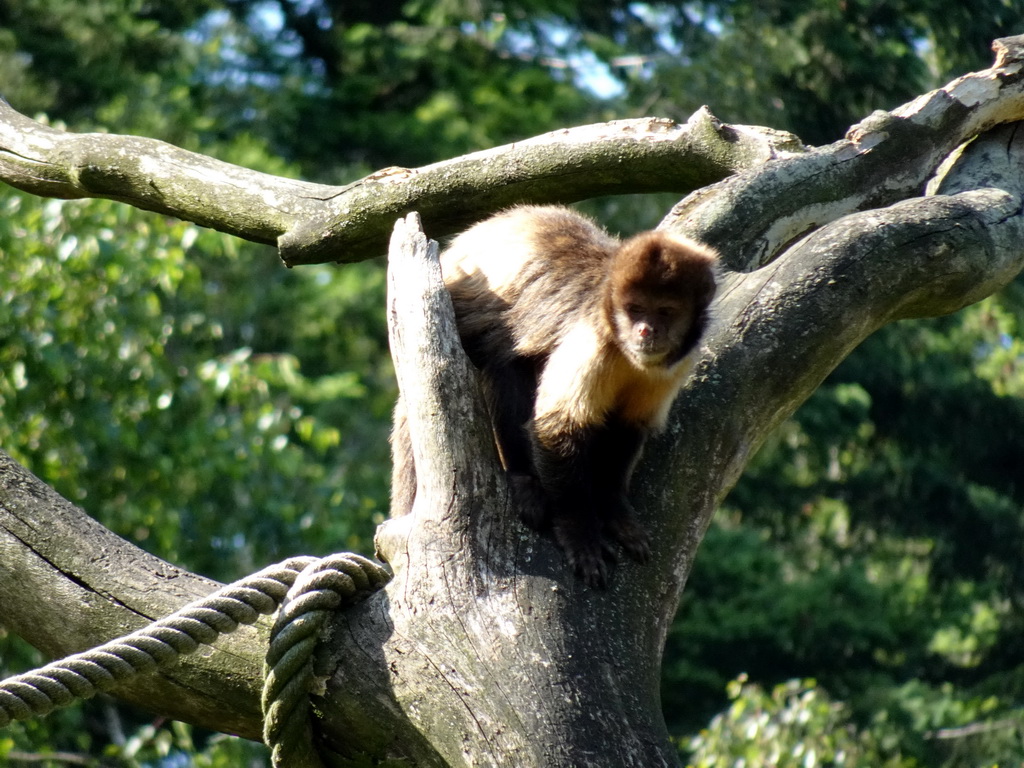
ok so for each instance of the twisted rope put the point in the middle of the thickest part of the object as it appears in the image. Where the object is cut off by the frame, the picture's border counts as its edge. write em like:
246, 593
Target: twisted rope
323, 587
306, 588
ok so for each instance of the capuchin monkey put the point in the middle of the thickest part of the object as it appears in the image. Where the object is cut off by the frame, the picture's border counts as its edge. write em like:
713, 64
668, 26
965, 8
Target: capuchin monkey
583, 342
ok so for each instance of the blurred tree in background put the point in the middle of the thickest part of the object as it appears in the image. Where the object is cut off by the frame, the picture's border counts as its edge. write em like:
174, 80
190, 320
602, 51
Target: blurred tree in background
224, 412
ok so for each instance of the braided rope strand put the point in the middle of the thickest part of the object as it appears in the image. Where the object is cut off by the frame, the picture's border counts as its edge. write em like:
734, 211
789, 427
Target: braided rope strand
307, 590
82, 675
323, 587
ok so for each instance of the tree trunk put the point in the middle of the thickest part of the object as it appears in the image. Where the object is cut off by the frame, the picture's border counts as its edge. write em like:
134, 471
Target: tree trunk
490, 649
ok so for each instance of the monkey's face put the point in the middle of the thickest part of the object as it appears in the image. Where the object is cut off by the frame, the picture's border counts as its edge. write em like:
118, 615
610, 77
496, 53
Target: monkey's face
649, 328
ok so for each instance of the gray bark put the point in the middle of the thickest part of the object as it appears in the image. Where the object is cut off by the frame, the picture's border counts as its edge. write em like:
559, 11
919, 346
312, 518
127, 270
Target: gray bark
485, 650
887, 157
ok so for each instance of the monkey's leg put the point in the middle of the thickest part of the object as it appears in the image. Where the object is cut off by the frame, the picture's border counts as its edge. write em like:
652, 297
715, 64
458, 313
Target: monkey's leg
565, 468
616, 450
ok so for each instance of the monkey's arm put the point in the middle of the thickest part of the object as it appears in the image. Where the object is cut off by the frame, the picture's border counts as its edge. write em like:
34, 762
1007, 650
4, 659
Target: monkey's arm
510, 388
616, 450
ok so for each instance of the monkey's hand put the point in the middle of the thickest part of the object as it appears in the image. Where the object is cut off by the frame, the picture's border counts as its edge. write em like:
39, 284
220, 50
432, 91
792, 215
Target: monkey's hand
633, 538
531, 500
590, 554
590, 542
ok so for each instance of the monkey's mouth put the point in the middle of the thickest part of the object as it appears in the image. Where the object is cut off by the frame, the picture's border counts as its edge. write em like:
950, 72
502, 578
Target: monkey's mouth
649, 353
651, 347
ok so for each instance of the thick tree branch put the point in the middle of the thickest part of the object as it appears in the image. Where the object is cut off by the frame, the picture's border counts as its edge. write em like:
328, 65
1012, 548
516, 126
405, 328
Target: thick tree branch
152, 175
68, 584
888, 156
778, 331
432, 371
316, 223
884, 158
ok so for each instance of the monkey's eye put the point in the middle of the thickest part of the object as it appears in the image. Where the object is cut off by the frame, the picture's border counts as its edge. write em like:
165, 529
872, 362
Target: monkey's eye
634, 310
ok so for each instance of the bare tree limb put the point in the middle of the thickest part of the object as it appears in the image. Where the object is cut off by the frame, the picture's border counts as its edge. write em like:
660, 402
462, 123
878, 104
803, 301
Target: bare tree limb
316, 223
154, 176
888, 156
433, 370
97, 587
884, 158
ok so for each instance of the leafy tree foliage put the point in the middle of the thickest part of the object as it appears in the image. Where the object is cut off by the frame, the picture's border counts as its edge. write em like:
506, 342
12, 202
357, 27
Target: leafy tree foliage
793, 726
224, 412
141, 374
122, 388
876, 542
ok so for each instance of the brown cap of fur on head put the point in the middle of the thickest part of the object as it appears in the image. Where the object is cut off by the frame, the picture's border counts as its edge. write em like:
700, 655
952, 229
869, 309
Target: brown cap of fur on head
661, 263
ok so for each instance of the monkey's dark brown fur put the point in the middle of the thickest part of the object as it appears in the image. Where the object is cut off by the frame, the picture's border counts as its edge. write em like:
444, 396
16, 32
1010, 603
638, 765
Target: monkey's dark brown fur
583, 343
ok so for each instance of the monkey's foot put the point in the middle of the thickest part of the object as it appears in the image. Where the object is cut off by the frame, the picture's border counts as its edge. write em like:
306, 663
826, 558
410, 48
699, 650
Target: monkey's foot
633, 538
